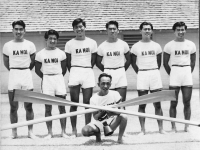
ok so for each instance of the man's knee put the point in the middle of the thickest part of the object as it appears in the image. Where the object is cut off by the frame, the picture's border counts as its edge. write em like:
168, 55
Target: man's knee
174, 104
123, 117
142, 107
87, 130
14, 108
157, 105
28, 107
48, 109
62, 109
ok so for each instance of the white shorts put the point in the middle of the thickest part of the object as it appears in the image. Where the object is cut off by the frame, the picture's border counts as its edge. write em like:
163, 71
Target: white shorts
149, 80
53, 85
81, 76
99, 124
180, 76
20, 79
118, 77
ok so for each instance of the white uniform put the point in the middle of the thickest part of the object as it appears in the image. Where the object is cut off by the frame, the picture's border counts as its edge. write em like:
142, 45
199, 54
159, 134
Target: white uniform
53, 81
180, 52
114, 60
20, 76
113, 97
148, 77
81, 72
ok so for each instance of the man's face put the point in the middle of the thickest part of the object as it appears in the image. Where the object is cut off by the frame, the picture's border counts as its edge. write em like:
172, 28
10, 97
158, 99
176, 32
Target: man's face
180, 32
146, 31
79, 29
112, 31
105, 84
52, 41
18, 32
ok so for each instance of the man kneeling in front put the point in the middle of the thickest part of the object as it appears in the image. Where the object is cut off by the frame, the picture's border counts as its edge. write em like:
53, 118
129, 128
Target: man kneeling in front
102, 118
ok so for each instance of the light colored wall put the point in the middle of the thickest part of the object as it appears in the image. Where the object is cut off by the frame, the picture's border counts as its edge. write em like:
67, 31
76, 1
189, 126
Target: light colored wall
162, 37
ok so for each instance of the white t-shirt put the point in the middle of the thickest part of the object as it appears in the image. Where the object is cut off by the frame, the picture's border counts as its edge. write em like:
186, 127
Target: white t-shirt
113, 53
146, 54
19, 53
51, 60
81, 51
113, 97
180, 51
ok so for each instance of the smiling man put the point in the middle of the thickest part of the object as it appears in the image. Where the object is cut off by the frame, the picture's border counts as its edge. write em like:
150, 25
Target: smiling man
19, 59
146, 61
182, 54
81, 57
52, 60
105, 97
111, 53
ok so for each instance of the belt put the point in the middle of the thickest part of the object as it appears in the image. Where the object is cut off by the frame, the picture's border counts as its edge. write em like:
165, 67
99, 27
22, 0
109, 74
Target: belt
115, 68
148, 69
82, 66
20, 68
181, 65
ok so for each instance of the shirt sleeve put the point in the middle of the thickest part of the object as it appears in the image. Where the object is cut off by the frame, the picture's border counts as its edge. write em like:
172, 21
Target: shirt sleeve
37, 57
5, 50
100, 51
94, 48
67, 48
193, 48
167, 48
32, 48
159, 49
126, 48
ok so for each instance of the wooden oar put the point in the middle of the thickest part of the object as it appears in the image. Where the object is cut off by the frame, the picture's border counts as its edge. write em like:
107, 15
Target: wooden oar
33, 97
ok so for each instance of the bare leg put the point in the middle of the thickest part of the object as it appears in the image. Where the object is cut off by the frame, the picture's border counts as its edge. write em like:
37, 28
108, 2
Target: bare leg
158, 111
48, 109
13, 113
173, 105
90, 131
120, 121
122, 91
63, 121
74, 94
87, 94
187, 94
141, 109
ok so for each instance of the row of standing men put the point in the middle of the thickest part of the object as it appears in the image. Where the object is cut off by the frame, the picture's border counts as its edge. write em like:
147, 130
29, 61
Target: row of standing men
113, 57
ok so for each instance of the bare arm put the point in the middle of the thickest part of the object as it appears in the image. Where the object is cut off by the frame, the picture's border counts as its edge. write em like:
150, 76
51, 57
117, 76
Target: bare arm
6, 61
133, 62
32, 61
93, 60
68, 61
159, 58
166, 58
64, 66
38, 66
128, 60
98, 62
192, 60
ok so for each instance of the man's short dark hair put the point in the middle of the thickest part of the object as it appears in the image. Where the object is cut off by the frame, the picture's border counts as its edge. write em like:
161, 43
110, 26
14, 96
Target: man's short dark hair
51, 32
19, 22
112, 22
77, 21
104, 75
144, 24
179, 24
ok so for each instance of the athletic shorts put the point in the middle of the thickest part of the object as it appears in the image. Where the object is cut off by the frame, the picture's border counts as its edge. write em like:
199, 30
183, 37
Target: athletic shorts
99, 124
118, 77
149, 80
181, 76
81, 76
20, 79
53, 85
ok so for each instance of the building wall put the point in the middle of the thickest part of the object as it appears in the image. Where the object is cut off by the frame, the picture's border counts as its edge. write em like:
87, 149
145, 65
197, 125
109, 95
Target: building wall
162, 37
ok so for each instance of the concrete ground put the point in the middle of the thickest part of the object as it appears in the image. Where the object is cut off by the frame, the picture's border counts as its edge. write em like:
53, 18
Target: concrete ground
151, 141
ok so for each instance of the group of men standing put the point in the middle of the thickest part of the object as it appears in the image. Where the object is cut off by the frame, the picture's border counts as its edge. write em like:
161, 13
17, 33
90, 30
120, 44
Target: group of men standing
113, 57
